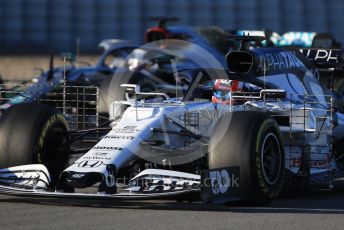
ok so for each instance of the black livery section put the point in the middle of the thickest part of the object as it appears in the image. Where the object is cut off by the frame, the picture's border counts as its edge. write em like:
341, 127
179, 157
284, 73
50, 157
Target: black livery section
221, 184
324, 58
266, 61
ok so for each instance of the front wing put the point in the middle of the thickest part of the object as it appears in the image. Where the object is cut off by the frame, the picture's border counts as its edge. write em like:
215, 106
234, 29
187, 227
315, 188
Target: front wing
32, 181
120, 196
215, 185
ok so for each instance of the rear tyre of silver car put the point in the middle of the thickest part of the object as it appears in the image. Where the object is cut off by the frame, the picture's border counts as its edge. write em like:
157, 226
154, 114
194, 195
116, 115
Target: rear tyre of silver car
252, 141
34, 133
111, 90
106, 92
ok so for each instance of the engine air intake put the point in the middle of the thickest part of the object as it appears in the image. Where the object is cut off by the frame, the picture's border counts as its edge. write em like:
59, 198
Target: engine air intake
239, 61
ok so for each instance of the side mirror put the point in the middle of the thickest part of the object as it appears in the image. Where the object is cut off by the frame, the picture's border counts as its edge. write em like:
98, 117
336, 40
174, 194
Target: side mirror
273, 93
131, 88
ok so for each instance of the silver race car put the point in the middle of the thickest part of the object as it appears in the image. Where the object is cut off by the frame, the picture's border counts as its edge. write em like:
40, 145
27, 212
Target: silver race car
244, 133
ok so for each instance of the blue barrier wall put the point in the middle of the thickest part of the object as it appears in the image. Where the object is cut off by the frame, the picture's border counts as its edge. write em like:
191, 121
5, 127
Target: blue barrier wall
43, 26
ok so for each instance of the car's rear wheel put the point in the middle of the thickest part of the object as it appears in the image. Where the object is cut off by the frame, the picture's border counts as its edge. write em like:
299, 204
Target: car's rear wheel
111, 90
34, 133
104, 91
251, 140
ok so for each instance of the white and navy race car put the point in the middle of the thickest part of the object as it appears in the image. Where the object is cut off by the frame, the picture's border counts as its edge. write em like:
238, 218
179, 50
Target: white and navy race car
238, 134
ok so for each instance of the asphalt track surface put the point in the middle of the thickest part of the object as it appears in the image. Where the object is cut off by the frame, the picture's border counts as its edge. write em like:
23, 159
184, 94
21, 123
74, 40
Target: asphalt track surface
318, 209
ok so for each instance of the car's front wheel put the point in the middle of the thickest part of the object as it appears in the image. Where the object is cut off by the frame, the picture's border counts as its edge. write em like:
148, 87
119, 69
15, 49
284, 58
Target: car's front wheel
34, 133
252, 141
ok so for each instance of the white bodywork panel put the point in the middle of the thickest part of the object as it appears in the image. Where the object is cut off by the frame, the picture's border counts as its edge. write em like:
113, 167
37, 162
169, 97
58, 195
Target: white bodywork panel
27, 176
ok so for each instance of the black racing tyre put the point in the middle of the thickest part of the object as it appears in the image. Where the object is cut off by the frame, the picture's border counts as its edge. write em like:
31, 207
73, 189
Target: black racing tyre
251, 140
34, 133
103, 104
339, 89
111, 90
146, 85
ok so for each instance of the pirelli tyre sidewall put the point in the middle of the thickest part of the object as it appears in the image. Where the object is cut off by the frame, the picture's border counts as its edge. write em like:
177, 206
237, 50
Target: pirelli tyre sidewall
111, 90
269, 188
103, 103
53, 143
34, 133
249, 142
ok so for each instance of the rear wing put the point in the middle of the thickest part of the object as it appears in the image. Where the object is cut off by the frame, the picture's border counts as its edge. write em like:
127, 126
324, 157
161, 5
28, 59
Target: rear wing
330, 63
325, 58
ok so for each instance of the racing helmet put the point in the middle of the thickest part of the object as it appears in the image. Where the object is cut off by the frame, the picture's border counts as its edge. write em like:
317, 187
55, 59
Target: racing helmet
223, 89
